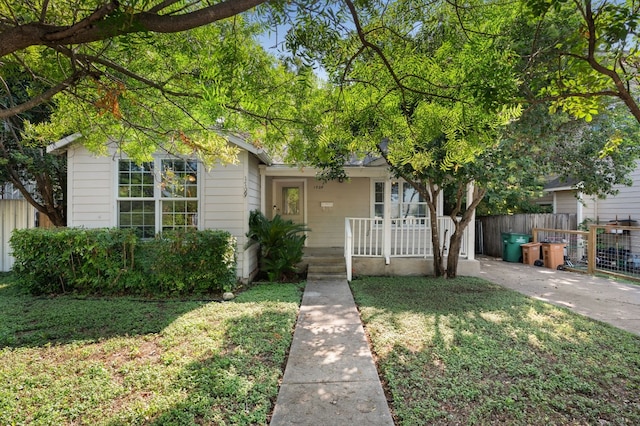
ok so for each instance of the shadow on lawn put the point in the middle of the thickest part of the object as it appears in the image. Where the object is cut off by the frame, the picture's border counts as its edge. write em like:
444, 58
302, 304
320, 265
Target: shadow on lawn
240, 385
469, 351
28, 321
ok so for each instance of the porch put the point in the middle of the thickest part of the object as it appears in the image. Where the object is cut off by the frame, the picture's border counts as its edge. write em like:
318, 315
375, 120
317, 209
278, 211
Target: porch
401, 246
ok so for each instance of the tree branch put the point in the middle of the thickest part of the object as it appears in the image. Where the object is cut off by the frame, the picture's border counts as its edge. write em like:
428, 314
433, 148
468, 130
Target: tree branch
41, 98
99, 14
623, 93
102, 25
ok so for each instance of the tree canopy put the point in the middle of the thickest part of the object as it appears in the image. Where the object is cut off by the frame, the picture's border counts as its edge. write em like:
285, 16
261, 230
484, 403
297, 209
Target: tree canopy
432, 86
146, 74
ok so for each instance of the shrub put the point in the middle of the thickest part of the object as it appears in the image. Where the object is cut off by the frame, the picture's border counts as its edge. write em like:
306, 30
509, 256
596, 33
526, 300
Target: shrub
115, 261
281, 244
66, 259
191, 262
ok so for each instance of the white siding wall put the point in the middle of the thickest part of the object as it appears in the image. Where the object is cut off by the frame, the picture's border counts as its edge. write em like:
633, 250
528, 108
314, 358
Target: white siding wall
350, 199
588, 208
224, 204
626, 203
252, 202
91, 193
14, 214
223, 199
566, 202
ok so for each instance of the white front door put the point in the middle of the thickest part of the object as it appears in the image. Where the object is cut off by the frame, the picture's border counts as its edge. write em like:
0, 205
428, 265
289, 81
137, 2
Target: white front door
289, 200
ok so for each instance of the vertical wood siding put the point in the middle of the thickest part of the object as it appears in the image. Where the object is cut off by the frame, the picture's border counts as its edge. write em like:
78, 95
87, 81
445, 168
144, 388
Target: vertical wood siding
14, 214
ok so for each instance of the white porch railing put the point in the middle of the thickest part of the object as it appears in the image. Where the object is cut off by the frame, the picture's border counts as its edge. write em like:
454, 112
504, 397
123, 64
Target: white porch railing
406, 237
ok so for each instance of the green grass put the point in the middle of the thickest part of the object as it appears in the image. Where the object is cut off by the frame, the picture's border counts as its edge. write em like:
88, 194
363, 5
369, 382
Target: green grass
470, 352
65, 360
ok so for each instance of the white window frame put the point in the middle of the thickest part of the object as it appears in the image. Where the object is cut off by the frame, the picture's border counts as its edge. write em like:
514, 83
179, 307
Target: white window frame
158, 198
421, 221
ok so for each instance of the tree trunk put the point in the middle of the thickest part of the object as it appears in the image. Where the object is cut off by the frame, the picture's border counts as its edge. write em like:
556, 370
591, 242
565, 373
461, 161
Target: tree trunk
455, 243
438, 264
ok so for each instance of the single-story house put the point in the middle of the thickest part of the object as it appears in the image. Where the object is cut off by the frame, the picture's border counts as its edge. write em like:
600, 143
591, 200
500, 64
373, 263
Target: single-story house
623, 206
380, 222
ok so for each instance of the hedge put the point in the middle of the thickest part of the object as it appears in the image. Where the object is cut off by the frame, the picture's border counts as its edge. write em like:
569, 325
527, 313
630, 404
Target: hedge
115, 261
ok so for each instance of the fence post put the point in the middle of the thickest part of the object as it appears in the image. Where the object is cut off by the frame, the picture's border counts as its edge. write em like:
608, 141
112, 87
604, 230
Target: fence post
534, 231
591, 250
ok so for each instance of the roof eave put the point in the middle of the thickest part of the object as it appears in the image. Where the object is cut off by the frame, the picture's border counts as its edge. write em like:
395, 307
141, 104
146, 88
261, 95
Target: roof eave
60, 146
258, 152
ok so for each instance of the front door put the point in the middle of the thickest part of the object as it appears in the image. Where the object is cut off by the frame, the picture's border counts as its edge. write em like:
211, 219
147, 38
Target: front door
289, 200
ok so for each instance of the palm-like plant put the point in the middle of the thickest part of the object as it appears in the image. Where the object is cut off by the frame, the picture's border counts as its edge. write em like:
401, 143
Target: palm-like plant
281, 243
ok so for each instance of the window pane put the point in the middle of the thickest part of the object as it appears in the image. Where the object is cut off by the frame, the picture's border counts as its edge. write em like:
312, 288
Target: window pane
394, 192
379, 192
413, 202
179, 214
291, 200
139, 215
135, 180
179, 179
409, 194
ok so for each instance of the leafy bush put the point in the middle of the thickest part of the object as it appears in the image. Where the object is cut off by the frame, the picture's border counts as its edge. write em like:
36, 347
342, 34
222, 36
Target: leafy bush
281, 243
64, 259
115, 261
191, 262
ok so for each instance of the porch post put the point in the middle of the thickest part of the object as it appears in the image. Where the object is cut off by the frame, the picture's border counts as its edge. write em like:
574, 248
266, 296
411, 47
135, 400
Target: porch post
579, 212
471, 228
386, 227
263, 184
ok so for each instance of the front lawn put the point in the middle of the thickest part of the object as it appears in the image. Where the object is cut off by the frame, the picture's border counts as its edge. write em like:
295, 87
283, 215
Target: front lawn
470, 352
66, 360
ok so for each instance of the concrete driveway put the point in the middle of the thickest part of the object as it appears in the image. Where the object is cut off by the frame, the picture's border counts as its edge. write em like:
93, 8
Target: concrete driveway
605, 299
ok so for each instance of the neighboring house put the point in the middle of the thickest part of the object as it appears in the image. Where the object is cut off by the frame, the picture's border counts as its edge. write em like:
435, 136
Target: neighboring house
15, 213
621, 207
381, 221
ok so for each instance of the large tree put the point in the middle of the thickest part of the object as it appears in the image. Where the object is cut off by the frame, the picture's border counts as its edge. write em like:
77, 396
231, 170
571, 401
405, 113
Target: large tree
147, 74
582, 54
144, 75
419, 90
63, 31
40, 177
599, 155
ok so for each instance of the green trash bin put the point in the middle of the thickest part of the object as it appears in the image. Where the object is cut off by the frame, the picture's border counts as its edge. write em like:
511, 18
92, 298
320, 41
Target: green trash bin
511, 250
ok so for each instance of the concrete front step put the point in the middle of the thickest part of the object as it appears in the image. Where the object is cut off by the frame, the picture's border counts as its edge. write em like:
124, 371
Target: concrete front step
325, 268
327, 277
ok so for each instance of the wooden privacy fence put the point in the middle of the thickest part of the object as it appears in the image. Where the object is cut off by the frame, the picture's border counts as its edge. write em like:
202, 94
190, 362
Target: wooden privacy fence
489, 229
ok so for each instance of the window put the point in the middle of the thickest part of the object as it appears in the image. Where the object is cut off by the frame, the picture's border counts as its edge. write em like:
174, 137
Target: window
179, 194
291, 200
405, 201
157, 196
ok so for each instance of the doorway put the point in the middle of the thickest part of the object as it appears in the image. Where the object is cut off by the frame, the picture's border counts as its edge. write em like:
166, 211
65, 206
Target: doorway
289, 199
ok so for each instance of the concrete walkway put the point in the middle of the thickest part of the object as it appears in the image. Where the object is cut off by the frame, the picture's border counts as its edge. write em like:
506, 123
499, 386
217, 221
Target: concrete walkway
330, 377
604, 299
